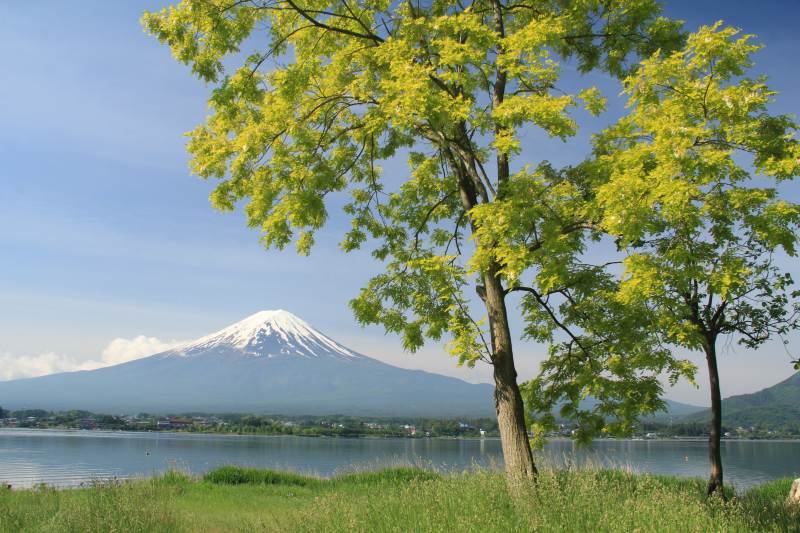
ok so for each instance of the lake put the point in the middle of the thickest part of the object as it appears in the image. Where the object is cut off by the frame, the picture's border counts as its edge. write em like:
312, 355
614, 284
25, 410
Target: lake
70, 458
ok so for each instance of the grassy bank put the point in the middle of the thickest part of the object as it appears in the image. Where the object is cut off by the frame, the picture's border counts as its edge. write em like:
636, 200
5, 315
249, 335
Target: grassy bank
399, 499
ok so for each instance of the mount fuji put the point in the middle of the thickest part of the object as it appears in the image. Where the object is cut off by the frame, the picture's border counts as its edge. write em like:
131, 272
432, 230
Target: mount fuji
270, 362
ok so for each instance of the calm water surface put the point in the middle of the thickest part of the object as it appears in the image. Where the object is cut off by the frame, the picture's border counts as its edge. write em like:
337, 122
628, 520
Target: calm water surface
69, 458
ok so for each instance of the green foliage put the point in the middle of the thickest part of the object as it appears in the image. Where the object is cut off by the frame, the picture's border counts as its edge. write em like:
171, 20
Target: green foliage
619, 371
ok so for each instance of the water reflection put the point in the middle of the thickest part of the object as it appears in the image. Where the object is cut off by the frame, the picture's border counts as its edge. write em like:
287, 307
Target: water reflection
69, 458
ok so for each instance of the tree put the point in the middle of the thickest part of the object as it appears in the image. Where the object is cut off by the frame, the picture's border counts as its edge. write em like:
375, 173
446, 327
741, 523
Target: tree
326, 90
692, 197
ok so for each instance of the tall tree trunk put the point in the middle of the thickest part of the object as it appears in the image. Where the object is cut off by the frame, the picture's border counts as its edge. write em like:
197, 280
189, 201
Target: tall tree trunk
508, 400
715, 433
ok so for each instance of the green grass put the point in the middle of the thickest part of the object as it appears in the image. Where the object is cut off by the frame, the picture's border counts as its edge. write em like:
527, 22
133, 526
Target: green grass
398, 499
234, 475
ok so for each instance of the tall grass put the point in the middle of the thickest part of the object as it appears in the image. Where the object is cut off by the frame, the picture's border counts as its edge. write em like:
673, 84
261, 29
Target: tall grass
234, 475
111, 507
584, 500
399, 499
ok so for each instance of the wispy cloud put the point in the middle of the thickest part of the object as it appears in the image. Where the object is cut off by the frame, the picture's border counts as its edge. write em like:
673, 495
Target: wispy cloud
118, 351
28, 366
123, 350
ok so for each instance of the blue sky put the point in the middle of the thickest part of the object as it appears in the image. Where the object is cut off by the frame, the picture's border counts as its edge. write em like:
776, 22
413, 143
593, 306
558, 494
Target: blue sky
104, 235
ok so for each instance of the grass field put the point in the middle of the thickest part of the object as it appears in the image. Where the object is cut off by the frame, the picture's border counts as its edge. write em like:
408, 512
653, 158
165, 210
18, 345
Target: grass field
397, 499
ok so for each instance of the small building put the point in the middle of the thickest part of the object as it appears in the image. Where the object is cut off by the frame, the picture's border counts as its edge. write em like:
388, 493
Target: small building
175, 422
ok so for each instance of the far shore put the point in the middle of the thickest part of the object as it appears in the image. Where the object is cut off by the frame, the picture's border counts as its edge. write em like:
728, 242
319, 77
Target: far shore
374, 437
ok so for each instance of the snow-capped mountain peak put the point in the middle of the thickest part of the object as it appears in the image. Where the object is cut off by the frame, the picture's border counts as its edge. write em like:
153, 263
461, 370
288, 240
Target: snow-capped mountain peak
270, 362
269, 333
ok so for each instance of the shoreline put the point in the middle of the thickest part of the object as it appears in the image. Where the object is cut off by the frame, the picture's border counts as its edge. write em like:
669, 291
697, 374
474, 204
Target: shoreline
123, 454
373, 437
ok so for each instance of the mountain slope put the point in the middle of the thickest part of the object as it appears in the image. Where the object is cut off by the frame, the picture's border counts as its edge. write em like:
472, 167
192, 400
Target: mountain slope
270, 362
679, 409
776, 406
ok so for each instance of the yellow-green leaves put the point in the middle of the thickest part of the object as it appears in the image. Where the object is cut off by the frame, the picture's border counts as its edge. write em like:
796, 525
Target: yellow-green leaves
700, 229
539, 222
200, 32
548, 112
593, 100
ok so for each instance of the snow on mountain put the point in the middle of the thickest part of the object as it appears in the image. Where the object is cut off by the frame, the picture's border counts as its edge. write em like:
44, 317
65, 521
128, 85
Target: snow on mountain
269, 334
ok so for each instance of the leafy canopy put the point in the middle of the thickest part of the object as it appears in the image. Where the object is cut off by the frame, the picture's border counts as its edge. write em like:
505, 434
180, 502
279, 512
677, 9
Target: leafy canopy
692, 194
685, 183
325, 91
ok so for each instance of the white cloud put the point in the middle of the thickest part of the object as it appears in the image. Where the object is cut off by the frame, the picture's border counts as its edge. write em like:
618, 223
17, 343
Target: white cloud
123, 350
28, 366
118, 351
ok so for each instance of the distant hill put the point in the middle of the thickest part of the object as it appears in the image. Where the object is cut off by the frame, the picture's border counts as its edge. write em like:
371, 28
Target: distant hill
774, 407
677, 409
